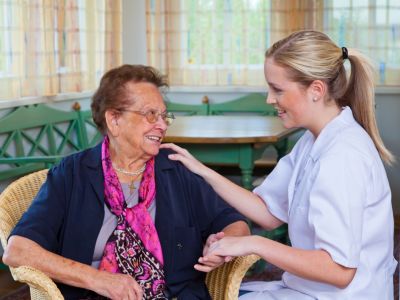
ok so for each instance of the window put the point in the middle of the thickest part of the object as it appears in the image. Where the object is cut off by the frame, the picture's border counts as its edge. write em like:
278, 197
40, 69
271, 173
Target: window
372, 26
216, 42
57, 46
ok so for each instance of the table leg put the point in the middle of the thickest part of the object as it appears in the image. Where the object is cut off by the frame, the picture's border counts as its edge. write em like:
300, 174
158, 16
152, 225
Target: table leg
246, 165
281, 148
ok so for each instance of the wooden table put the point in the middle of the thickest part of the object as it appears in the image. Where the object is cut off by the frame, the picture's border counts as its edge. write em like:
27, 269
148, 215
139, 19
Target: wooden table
238, 139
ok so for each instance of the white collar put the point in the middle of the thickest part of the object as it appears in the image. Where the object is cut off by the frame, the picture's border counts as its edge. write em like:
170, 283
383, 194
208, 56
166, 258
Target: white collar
344, 120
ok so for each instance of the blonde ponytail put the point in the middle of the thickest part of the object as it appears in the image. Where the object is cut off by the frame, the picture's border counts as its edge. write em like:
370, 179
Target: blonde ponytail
360, 94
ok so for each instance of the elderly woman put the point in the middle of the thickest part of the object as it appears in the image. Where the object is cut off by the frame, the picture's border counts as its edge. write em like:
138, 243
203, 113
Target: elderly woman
121, 220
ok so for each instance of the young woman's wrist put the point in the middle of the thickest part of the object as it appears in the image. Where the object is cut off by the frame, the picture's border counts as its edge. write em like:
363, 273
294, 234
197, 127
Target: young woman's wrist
207, 173
259, 245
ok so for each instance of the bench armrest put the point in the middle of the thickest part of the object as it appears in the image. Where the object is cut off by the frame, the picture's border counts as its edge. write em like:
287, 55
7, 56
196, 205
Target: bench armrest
31, 159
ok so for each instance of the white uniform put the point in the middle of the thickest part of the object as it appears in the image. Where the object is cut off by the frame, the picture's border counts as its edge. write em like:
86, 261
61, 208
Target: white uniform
334, 194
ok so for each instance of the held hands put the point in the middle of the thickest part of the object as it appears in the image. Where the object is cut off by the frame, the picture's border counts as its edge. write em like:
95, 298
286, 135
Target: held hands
231, 246
117, 286
186, 158
207, 263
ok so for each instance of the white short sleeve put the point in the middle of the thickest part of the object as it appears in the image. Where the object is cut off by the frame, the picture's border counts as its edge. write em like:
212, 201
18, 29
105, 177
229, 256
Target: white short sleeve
274, 189
337, 204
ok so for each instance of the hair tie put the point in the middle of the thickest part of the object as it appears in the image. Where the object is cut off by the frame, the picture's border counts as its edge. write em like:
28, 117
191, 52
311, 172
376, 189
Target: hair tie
345, 53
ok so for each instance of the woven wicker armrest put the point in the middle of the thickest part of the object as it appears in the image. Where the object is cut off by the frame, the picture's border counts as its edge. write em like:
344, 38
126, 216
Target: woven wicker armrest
39, 282
223, 283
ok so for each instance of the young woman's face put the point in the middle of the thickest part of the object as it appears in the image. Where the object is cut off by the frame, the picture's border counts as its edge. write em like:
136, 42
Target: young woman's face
288, 97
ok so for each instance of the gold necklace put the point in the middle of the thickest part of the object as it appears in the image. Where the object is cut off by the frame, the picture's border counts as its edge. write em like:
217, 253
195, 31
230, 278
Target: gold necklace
133, 173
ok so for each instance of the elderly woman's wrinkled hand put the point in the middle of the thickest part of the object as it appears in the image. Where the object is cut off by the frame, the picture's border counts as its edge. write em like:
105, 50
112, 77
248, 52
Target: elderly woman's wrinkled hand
117, 286
186, 158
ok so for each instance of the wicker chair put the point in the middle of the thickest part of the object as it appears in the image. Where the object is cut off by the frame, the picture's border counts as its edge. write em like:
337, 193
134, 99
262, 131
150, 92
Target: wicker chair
223, 283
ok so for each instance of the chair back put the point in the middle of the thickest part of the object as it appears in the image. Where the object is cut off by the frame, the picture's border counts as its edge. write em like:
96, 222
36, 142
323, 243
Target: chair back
14, 201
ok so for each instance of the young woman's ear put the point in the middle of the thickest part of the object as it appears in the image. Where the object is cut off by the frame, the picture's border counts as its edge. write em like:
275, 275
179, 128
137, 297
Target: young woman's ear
112, 122
317, 90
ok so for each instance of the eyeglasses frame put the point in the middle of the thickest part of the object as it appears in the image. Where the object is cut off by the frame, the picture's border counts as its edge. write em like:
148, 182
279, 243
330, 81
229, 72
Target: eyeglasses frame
167, 117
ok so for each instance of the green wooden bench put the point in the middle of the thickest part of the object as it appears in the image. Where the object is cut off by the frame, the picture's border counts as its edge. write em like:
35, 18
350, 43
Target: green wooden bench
34, 137
187, 109
37, 136
249, 104
90, 134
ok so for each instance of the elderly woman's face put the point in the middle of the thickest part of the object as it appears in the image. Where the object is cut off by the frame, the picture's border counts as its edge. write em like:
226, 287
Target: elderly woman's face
141, 136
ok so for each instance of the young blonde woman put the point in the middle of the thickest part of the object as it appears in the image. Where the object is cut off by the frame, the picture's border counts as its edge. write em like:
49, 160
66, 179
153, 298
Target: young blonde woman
332, 188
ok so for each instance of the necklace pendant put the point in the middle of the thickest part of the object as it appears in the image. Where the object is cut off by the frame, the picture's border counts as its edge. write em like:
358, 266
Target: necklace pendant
132, 187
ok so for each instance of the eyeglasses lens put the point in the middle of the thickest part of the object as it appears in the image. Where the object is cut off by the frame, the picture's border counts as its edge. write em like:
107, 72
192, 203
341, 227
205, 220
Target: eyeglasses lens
152, 117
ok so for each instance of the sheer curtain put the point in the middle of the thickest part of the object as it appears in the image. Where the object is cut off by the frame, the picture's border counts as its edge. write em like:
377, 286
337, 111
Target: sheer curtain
208, 42
290, 16
215, 42
49, 47
372, 26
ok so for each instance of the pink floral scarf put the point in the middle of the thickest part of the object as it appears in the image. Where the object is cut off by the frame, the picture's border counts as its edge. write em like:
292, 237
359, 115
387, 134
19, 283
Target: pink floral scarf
134, 247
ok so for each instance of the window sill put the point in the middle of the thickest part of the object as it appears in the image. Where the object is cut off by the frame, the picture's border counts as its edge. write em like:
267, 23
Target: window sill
44, 99
255, 89
380, 90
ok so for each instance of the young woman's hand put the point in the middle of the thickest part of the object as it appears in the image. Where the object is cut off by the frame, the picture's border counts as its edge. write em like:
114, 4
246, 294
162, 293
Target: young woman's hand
186, 158
210, 262
231, 246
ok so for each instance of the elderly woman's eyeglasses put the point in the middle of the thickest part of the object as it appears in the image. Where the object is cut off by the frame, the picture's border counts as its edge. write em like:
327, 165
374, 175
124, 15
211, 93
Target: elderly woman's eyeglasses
153, 115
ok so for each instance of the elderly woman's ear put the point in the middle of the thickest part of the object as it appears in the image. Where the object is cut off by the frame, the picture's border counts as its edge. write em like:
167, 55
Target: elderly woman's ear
113, 127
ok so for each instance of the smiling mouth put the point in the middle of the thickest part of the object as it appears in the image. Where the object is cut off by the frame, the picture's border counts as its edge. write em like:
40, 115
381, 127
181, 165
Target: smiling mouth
155, 138
280, 111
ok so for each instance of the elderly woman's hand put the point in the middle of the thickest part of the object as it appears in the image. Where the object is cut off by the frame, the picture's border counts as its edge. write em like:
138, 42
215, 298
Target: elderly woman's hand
186, 158
117, 286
